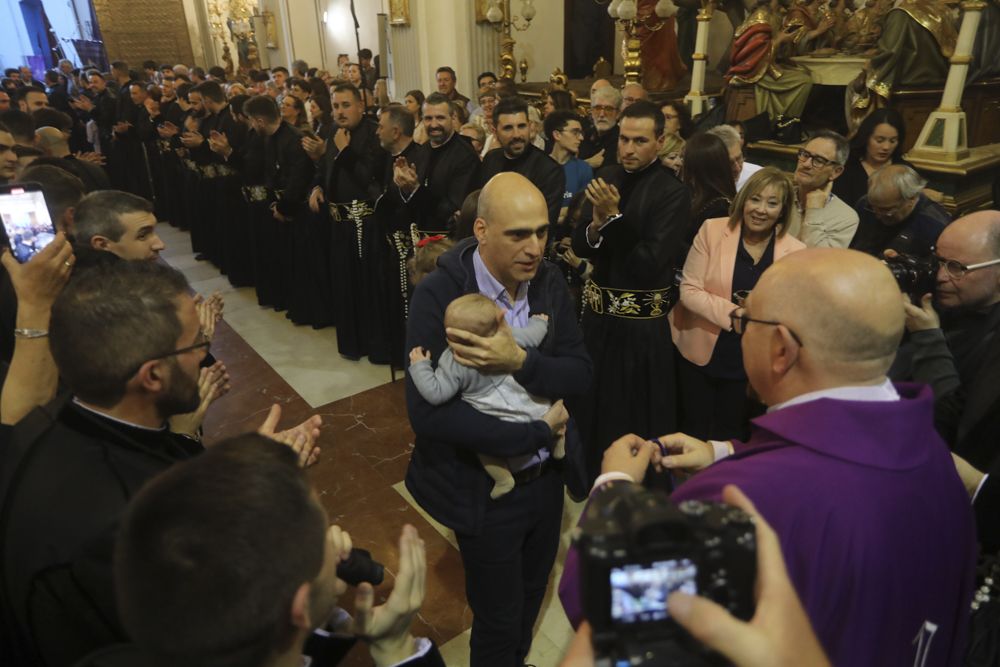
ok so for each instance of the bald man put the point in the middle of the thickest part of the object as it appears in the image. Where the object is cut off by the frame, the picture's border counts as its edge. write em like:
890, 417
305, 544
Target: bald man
874, 523
632, 93
507, 546
958, 353
54, 144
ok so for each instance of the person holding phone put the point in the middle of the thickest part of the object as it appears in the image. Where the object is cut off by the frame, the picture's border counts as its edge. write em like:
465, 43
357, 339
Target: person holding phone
821, 219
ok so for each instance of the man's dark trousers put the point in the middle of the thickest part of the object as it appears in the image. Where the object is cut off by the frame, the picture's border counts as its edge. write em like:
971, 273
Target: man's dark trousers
519, 546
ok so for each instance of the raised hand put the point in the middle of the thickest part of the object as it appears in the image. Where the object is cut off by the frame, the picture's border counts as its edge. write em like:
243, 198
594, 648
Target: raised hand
404, 175
309, 429
213, 383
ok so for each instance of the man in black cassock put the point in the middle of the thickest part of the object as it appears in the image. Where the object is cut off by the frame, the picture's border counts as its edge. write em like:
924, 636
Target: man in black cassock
347, 180
517, 154
393, 217
447, 169
220, 191
634, 240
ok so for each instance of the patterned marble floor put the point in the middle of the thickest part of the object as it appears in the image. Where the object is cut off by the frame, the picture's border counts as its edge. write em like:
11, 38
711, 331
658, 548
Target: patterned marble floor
366, 442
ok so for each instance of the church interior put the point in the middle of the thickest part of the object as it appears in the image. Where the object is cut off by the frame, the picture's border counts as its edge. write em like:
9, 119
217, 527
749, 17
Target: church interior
782, 68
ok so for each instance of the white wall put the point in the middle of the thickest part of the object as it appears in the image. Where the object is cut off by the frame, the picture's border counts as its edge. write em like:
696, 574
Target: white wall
542, 43
338, 33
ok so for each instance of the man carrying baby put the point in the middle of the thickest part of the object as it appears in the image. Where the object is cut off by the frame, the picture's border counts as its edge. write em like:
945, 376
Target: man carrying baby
508, 545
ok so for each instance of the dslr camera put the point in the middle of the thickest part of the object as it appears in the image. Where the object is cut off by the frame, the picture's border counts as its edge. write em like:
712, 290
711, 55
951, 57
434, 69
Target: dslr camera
916, 276
636, 548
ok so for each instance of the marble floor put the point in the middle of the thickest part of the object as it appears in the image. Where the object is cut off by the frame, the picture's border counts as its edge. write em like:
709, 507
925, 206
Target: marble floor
366, 443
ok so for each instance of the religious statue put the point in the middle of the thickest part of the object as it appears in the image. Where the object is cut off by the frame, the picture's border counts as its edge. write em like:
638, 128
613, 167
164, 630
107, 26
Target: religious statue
759, 45
858, 31
918, 37
662, 68
811, 25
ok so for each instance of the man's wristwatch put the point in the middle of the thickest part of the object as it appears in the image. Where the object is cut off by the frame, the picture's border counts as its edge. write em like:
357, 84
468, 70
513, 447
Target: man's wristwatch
608, 220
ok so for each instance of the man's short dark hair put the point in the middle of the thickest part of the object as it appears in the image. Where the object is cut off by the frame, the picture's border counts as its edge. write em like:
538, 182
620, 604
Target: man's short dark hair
237, 102
557, 121
436, 98
119, 67
300, 67
149, 64
347, 88
401, 118
19, 124
211, 553
109, 320
11, 71
509, 105
62, 189
29, 90
259, 77
298, 82
52, 77
198, 72
365, 53
262, 106
279, 68
447, 69
93, 72
211, 90
217, 73
842, 146
48, 117
99, 214
484, 75
182, 90
646, 109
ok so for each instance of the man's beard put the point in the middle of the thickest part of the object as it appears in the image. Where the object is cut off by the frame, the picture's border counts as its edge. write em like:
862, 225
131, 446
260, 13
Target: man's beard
181, 395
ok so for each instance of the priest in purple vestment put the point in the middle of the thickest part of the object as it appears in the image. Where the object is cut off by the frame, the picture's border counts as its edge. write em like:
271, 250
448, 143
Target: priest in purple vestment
874, 523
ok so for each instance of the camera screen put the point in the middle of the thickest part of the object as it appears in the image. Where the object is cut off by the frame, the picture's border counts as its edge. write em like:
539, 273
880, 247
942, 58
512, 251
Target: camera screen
639, 592
26, 222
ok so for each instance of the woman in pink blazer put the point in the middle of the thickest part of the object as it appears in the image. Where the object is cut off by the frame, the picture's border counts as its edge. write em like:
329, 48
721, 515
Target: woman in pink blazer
725, 262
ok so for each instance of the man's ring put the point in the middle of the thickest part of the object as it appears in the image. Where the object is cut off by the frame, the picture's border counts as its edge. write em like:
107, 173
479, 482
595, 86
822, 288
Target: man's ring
68, 264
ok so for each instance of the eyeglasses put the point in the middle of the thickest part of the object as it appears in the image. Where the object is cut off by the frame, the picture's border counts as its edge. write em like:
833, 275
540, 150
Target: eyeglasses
817, 160
740, 319
957, 270
603, 108
885, 211
203, 341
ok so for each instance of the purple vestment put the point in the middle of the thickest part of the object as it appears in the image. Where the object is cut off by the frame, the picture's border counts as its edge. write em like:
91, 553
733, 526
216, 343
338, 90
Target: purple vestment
875, 525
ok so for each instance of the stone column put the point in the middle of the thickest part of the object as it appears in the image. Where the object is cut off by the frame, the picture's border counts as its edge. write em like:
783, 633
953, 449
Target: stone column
696, 98
944, 136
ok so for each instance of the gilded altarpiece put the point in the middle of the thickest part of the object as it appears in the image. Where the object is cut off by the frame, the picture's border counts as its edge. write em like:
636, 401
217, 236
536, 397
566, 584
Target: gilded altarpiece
138, 30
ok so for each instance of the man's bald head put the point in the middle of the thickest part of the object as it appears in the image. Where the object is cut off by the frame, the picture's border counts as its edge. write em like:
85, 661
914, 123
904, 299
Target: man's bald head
845, 308
508, 195
51, 141
972, 239
597, 85
632, 93
512, 225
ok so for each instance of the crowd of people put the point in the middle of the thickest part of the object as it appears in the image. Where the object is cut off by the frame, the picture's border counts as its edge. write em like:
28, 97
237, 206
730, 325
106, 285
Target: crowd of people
556, 278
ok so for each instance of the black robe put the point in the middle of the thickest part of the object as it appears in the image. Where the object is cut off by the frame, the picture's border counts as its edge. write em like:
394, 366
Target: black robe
593, 143
393, 219
634, 376
447, 174
547, 174
353, 175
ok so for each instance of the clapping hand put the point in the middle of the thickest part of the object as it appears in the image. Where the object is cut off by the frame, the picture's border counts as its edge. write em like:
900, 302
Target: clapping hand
219, 143
167, 130
604, 197
301, 438
192, 139
209, 312
404, 175
386, 628
122, 127
314, 147
213, 383
91, 157
81, 103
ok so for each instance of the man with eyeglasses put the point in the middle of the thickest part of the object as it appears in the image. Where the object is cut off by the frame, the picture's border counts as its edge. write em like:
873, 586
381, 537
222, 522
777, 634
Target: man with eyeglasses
600, 143
896, 215
822, 219
127, 343
845, 466
958, 353
564, 129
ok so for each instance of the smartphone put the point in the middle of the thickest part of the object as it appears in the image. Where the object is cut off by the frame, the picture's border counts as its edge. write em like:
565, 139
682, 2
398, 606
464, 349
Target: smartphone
26, 220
